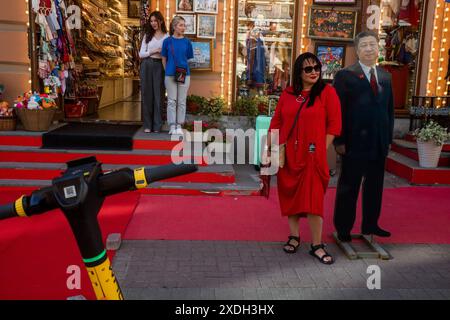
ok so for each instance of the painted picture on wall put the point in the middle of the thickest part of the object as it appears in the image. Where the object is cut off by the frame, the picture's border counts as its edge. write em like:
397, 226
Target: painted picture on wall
206, 26
332, 57
332, 23
206, 6
203, 58
190, 22
184, 5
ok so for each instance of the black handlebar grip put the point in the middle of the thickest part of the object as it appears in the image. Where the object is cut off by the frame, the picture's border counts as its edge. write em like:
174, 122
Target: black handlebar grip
116, 181
169, 171
7, 211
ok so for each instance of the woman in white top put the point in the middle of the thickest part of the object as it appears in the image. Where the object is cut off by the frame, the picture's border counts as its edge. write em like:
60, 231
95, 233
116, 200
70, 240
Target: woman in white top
152, 72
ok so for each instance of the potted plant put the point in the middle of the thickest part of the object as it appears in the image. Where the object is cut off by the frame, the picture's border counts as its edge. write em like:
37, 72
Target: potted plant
214, 109
430, 140
245, 106
194, 104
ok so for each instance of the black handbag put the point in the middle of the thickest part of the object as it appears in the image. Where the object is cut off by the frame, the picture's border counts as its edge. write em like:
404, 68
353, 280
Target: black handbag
180, 72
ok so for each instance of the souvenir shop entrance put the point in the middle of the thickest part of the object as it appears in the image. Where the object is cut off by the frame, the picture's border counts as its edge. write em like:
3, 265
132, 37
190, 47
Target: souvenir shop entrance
85, 53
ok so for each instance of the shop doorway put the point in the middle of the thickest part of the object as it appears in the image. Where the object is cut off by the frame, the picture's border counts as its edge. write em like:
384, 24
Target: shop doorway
86, 55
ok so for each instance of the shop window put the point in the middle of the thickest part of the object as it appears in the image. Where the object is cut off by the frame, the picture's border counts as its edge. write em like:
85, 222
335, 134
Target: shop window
265, 38
399, 40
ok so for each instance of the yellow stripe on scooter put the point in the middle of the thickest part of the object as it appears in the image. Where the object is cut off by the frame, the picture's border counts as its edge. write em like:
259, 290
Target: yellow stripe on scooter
18, 205
139, 178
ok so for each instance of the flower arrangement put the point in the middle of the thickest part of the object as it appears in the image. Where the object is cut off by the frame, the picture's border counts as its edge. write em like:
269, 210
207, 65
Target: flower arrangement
214, 108
432, 132
245, 106
35, 101
195, 104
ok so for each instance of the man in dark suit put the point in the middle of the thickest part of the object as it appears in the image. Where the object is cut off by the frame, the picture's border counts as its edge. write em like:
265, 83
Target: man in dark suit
365, 92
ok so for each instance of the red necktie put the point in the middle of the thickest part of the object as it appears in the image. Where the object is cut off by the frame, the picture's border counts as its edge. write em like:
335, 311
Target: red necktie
373, 81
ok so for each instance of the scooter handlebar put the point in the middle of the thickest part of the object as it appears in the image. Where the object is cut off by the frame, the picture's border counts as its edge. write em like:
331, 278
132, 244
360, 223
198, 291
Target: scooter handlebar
7, 211
113, 182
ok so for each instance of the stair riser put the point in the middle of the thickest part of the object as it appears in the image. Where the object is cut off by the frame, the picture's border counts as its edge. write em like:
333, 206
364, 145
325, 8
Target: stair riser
418, 176
40, 174
21, 141
30, 141
412, 154
126, 159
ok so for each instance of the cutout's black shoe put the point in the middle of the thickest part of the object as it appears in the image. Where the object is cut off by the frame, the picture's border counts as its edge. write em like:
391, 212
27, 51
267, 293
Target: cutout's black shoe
377, 232
344, 237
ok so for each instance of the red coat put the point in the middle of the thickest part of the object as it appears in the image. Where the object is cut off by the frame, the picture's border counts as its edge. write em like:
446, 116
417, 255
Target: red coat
303, 180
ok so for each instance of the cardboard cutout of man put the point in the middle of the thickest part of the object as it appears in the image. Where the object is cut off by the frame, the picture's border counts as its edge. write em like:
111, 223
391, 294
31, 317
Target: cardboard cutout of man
365, 92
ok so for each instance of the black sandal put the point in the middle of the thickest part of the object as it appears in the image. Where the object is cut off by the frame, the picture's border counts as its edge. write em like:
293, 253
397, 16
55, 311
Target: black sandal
326, 255
288, 243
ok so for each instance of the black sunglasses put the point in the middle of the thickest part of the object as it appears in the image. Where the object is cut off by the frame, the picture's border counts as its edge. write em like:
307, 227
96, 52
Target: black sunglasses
310, 69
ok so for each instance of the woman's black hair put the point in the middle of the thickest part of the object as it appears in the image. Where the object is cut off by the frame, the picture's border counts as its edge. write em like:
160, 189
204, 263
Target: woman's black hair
149, 31
317, 88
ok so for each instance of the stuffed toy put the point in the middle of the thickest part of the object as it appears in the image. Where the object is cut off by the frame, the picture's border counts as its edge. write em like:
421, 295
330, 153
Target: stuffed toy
34, 102
48, 103
5, 110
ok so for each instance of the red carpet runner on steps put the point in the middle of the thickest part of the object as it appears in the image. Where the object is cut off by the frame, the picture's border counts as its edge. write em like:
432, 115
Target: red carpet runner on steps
412, 214
36, 252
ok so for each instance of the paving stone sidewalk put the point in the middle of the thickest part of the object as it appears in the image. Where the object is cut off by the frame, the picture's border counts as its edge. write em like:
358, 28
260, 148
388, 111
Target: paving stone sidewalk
241, 270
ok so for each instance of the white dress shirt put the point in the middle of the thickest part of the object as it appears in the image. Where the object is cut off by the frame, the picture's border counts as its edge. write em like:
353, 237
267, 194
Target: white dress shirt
148, 48
366, 70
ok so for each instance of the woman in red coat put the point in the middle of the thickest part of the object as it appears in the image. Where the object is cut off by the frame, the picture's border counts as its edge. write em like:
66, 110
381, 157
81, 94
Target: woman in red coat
303, 180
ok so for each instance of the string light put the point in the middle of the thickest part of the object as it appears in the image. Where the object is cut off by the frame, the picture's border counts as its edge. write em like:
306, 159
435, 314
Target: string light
434, 38
222, 72
27, 13
157, 5
303, 38
168, 13
230, 62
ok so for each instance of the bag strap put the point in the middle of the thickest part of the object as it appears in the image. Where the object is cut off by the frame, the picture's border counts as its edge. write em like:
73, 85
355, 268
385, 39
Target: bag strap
296, 117
173, 51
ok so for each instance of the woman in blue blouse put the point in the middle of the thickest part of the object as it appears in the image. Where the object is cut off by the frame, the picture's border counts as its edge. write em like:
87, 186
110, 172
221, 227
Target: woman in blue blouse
176, 51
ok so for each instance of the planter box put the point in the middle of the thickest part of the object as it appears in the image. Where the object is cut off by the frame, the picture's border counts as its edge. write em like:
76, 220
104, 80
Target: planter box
227, 122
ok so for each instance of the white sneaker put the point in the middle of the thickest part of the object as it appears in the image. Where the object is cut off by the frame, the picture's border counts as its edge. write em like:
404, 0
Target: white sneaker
172, 130
179, 131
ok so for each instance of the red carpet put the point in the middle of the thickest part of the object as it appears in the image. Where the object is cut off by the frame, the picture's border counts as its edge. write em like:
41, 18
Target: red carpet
412, 214
36, 252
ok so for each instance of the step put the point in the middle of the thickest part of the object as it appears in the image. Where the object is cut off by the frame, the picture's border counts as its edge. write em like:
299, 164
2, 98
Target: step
141, 140
409, 137
409, 149
138, 157
245, 187
410, 170
48, 171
